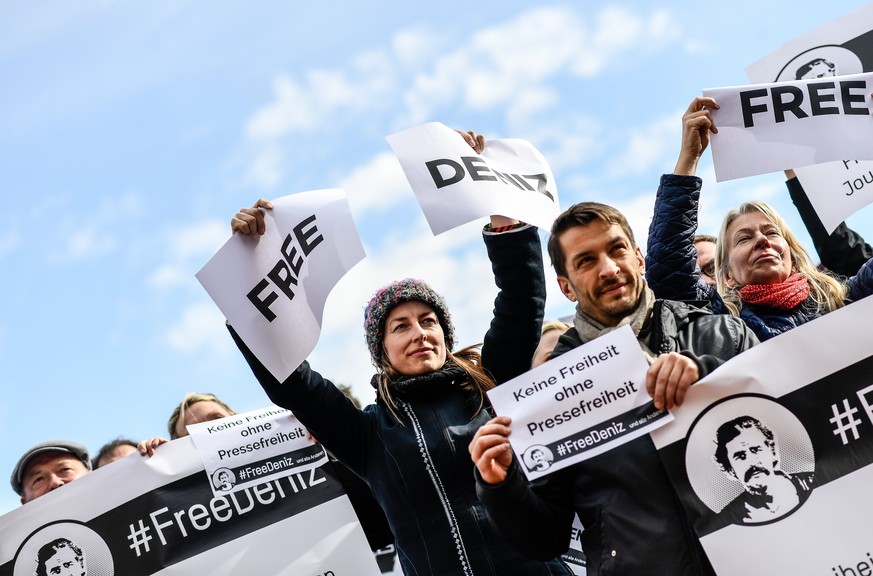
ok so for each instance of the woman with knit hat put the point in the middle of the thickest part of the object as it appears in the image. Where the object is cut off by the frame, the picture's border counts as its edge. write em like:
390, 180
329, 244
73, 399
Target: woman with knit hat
411, 445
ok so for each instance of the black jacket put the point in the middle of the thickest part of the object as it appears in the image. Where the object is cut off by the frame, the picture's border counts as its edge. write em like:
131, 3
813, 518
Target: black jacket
843, 251
634, 521
419, 468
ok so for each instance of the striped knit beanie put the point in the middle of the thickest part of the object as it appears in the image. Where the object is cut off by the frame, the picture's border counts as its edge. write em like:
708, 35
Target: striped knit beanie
396, 293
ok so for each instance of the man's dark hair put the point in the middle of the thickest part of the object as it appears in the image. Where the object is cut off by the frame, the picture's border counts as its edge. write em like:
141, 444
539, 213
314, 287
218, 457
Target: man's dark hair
108, 448
582, 214
50, 549
730, 430
806, 68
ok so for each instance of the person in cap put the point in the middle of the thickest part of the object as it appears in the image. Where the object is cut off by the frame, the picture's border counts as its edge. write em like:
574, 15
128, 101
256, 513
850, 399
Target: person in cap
411, 445
47, 466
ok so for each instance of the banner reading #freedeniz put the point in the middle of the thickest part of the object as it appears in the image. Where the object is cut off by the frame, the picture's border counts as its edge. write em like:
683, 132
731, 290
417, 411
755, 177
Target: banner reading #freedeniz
579, 404
772, 454
138, 517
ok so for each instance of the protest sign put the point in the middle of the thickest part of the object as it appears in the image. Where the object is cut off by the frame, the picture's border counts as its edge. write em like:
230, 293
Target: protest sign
580, 404
771, 454
272, 288
244, 450
776, 126
843, 46
454, 185
137, 517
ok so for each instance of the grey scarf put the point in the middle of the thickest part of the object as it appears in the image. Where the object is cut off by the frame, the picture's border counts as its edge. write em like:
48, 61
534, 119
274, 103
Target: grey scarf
639, 320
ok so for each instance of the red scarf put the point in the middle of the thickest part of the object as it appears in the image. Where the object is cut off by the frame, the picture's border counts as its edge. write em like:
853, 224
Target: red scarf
782, 296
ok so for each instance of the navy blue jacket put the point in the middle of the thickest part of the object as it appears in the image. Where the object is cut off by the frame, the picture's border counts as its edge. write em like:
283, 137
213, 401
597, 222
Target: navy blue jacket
634, 522
419, 468
671, 263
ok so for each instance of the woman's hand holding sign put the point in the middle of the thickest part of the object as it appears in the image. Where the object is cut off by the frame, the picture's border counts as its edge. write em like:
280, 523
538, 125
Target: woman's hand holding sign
251, 220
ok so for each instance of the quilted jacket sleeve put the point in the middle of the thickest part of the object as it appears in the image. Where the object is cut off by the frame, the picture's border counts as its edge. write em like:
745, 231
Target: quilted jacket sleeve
671, 258
861, 284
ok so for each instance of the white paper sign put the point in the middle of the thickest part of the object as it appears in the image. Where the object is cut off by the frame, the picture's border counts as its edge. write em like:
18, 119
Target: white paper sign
272, 288
454, 185
844, 46
771, 127
575, 557
772, 456
580, 404
138, 516
244, 450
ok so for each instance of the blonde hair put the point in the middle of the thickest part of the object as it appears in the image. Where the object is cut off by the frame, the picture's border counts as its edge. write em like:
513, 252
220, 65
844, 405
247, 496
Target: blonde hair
469, 360
554, 325
192, 398
828, 293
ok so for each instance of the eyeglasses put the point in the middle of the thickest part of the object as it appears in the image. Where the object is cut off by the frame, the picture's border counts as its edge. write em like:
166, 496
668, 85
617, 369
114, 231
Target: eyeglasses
708, 269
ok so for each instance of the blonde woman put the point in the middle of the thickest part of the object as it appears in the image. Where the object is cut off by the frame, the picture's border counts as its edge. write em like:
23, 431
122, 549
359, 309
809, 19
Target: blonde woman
763, 274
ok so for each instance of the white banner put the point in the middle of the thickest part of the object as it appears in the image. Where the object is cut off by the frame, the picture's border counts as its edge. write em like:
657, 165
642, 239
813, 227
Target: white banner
771, 127
138, 516
272, 288
454, 185
771, 454
844, 46
244, 450
580, 404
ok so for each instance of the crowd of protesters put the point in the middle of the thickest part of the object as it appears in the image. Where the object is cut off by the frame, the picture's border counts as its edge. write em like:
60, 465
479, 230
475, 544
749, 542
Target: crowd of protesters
429, 463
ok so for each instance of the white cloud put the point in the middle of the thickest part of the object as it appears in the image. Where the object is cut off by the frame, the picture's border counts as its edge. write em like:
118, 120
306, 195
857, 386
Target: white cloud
169, 275
265, 169
566, 142
376, 185
314, 104
638, 211
508, 67
9, 241
96, 232
89, 243
186, 250
200, 328
416, 45
501, 63
530, 102
651, 148
200, 238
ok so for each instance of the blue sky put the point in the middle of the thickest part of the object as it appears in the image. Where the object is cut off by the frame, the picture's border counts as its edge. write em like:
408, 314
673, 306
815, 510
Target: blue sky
133, 131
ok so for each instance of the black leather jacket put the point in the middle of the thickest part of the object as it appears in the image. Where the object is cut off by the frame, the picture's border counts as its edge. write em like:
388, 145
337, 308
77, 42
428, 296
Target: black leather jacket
634, 521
